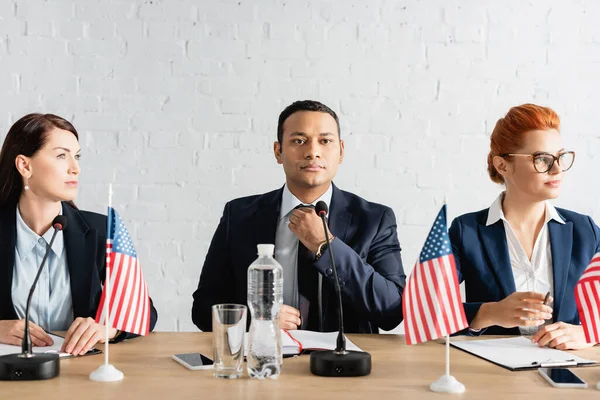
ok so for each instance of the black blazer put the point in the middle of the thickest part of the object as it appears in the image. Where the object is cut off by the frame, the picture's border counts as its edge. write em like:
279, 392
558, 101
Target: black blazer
366, 251
483, 262
85, 243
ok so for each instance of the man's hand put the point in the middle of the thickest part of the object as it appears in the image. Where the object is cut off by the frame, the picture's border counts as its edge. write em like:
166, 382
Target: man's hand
308, 227
289, 318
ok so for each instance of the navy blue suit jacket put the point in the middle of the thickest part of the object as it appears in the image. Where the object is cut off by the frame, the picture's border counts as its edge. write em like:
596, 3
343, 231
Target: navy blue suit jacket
85, 244
483, 262
366, 251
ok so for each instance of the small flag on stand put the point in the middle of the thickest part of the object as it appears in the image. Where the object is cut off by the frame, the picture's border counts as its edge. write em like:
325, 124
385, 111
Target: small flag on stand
129, 305
587, 296
432, 303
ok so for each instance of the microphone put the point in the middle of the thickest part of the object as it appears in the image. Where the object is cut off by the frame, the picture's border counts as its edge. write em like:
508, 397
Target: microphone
338, 362
27, 366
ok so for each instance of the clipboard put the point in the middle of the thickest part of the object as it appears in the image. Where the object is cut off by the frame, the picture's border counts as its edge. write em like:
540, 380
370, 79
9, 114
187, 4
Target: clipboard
519, 354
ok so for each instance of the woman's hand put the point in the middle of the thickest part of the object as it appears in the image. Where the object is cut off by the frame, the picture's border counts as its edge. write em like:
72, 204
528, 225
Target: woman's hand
518, 309
83, 334
562, 336
12, 331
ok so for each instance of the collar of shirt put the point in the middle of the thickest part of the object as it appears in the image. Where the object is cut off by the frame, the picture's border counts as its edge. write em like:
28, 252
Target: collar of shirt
495, 212
289, 201
28, 239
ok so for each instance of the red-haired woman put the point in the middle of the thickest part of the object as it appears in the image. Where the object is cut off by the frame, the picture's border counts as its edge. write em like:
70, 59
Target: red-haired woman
513, 253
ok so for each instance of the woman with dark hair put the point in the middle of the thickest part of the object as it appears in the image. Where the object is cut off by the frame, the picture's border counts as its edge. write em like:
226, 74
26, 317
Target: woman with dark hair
39, 174
521, 258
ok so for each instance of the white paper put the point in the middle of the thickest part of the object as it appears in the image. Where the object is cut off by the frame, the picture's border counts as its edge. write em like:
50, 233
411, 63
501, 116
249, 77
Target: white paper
55, 348
519, 352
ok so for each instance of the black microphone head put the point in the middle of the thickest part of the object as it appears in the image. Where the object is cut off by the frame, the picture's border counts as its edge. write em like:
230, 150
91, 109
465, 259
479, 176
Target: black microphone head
59, 222
321, 209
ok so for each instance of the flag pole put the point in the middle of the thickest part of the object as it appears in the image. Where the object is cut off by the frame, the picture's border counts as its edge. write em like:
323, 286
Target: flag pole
447, 383
107, 282
447, 355
107, 372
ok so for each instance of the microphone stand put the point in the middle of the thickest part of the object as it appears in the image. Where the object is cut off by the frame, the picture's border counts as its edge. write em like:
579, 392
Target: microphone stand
341, 339
27, 365
339, 362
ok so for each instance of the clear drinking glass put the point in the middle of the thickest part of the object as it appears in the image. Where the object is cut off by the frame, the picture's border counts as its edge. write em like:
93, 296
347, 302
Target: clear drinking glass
229, 327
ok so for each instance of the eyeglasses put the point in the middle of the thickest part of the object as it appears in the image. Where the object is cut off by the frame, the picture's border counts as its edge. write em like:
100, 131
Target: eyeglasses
543, 162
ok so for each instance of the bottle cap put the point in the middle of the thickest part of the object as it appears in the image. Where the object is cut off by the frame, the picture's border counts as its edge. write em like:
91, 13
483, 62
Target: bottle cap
266, 249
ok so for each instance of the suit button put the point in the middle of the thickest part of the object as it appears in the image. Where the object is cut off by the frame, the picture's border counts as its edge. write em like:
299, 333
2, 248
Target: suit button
342, 284
329, 272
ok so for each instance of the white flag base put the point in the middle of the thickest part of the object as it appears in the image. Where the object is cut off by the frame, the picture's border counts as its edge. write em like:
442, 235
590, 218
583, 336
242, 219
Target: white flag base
106, 373
447, 384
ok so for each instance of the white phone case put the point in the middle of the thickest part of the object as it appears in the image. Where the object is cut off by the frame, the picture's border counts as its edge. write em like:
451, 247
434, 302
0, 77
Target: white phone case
562, 385
191, 367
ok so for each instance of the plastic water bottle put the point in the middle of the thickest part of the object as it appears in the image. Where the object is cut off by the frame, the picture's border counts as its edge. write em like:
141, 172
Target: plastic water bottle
265, 297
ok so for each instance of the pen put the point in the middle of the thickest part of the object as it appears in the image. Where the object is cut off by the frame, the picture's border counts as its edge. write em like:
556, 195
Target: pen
546, 298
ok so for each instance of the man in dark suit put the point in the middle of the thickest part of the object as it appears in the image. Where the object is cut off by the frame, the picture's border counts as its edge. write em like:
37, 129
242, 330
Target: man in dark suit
364, 239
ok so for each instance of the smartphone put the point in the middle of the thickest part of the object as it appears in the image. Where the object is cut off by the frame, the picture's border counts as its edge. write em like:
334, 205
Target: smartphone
194, 361
562, 378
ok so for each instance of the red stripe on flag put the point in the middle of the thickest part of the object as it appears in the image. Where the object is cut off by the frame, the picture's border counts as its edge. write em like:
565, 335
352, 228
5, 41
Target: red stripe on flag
116, 272
441, 296
425, 324
415, 316
128, 304
458, 301
123, 284
137, 305
595, 292
447, 286
132, 308
591, 298
587, 320
140, 302
430, 303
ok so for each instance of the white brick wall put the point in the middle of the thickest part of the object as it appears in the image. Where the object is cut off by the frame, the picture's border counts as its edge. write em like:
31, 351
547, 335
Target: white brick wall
177, 103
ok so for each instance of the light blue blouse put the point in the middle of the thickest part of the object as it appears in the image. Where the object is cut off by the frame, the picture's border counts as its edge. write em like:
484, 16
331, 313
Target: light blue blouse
51, 304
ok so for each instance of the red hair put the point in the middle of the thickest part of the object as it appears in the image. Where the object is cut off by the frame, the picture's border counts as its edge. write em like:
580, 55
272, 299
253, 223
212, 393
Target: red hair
509, 134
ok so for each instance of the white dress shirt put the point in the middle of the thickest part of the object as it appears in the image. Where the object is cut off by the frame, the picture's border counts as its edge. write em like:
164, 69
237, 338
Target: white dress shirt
286, 244
51, 304
533, 275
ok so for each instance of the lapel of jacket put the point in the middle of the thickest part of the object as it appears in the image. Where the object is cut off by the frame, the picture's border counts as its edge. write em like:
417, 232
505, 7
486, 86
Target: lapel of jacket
561, 243
339, 221
8, 242
266, 217
493, 239
80, 244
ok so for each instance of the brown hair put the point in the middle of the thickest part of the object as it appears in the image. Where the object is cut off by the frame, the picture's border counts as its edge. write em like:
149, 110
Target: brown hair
509, 133
27, 136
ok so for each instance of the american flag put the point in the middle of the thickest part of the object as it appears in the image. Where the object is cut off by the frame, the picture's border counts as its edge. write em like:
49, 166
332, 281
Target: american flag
432, 305
129, 305
587, 296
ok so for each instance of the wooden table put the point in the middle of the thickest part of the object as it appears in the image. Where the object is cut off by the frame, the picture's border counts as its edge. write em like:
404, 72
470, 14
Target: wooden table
399, 372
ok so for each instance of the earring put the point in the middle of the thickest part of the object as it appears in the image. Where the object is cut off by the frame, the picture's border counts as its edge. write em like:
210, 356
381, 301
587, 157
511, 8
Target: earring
26, 184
